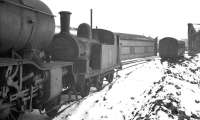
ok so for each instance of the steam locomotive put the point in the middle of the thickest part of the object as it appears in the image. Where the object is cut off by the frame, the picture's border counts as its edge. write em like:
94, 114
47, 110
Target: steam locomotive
36, 65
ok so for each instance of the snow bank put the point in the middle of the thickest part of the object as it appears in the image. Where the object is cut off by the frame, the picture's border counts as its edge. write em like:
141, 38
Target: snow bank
151, 91
175, 96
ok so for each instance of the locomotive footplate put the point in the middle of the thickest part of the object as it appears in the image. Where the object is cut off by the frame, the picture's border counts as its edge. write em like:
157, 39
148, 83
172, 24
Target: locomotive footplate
42, 66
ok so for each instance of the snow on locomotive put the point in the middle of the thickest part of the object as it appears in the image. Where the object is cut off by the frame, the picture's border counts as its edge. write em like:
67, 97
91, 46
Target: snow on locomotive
35, 65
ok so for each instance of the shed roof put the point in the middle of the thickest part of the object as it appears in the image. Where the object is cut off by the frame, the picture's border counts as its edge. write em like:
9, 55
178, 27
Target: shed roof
128, 36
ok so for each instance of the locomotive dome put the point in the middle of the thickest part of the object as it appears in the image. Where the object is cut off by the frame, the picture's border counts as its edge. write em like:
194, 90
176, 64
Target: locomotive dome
84, 30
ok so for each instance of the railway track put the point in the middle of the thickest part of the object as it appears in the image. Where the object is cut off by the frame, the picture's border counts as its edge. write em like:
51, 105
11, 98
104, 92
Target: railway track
130, 63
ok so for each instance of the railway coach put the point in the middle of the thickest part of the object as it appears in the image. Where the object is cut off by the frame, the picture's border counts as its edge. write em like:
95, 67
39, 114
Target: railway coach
136, 46
171, 49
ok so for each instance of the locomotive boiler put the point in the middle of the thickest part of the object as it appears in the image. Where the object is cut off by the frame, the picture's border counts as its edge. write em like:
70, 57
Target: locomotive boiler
28, 81
25, 24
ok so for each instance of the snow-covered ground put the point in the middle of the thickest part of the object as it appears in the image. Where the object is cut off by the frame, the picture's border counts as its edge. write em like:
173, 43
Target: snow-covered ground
150, 91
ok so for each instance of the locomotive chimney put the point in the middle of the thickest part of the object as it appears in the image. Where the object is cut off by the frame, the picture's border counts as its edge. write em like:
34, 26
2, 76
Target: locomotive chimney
65, 21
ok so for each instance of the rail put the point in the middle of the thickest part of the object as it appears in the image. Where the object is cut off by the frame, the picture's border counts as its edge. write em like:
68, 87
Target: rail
138, 61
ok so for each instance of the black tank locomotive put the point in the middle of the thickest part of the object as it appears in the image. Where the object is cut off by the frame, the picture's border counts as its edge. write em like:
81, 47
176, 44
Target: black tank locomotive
94, 54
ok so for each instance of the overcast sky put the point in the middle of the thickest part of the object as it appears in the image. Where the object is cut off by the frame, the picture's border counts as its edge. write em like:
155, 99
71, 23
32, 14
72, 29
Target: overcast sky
146, 17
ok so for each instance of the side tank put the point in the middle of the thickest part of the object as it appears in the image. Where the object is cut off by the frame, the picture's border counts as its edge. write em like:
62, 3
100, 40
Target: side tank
25, 24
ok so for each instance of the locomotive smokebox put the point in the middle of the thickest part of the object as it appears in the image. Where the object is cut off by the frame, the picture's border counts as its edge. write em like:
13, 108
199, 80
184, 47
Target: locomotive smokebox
65, 21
